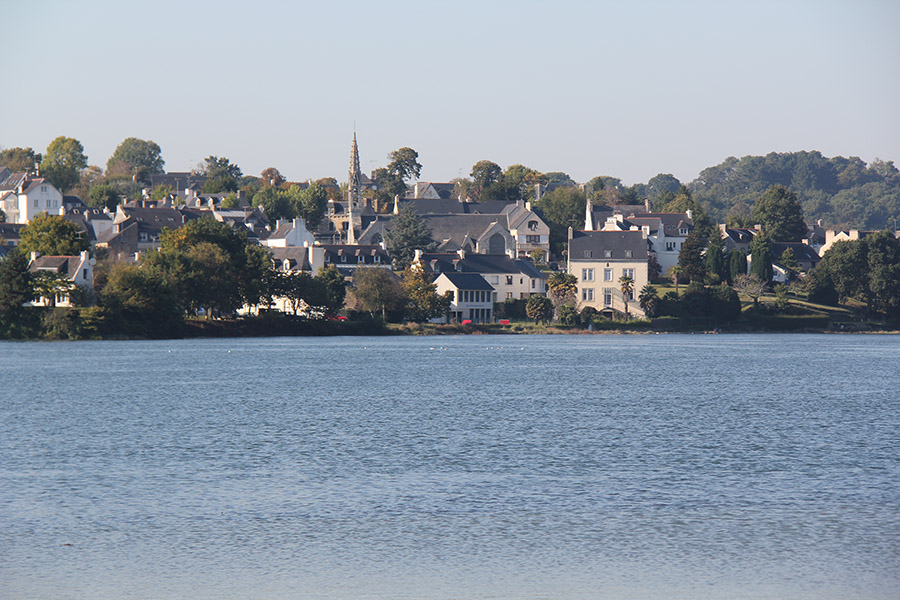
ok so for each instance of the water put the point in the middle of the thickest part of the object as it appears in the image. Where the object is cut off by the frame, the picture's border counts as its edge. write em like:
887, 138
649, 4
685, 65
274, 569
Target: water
557, 467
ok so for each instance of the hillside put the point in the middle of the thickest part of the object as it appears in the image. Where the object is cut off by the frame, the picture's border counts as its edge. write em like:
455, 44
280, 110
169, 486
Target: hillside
842, 192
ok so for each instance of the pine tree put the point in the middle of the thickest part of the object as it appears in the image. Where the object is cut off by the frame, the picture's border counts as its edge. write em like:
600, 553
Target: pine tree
761, 258
690, 257
737, 265
715, 257
408, 234
15, 285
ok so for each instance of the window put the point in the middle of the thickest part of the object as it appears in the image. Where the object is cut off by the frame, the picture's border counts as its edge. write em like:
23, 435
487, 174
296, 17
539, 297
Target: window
683, 231
532, 283
532, 239
607, 274
509, 280
607, 296
586, 275
588, 254
670, 246
629, 254
343, 258
533, 225
587, 294
628, 273
84, 274
36, 203
509, 295
361, 259
376, 259
607, 254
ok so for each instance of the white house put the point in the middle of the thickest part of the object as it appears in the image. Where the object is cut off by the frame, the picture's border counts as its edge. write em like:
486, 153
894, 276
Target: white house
510, 278
289, 234
22, 197
472, 297
76, 270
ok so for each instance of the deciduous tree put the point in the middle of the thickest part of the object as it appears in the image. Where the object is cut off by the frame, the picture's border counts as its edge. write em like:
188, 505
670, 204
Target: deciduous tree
139, 158
63, 162
780, 214
52, 235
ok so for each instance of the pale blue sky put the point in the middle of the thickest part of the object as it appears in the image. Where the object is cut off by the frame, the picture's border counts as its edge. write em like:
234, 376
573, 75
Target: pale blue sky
628, 89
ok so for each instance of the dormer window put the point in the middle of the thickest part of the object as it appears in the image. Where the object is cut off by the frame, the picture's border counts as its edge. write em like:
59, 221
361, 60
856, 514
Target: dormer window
376, 259
343, 258
683, 231
588, 254
607, 254
629, 253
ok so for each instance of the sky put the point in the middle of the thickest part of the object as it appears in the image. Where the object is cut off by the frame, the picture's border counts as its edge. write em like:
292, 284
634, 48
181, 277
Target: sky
627, 89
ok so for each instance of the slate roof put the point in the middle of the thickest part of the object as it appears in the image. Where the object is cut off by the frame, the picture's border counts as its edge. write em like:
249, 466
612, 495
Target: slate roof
10, 231
468, 281
740, 235
478, 263
802, 252
67, 265
296, 257
672, 222
593, 246
178, 181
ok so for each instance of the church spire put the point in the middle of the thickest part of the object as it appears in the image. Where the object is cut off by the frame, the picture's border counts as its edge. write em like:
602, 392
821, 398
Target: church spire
588, 213
354, 183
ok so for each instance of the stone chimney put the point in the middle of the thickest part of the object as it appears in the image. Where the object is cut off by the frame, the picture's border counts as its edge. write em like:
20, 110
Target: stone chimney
461, 252
418, 256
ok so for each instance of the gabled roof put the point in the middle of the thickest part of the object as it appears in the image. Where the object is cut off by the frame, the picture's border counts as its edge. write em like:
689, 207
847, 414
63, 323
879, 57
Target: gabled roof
739, 235
673, 223
64, 265
468, 281
802, 252
294, 258
493, 264
608, 245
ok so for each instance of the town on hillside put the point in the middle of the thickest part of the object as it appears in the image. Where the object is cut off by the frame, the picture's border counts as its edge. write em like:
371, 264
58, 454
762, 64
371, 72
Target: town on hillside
134, 242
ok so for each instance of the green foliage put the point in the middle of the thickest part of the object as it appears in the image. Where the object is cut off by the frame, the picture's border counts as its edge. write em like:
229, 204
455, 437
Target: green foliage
140, 302
539, 308
715, 257
52, 235
408, 234
737, 265
484, 174
690, 257
562, 288
17, 159
718, 304
139, 158
761, 258
404, 163
560, 209
588, 315
271, 177
276, 203
840, 191
423, 301
309, 203
378, 290
866, 269
63, 162
567, 315
648, 300
223, 176
779, 213
626, 286
104, 195
333, 290
15, 286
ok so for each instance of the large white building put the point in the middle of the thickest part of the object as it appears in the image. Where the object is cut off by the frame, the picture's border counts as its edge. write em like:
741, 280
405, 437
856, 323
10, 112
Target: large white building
22, 197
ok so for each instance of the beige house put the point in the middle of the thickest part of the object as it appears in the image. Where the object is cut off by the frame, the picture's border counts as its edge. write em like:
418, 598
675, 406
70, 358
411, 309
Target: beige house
598, 259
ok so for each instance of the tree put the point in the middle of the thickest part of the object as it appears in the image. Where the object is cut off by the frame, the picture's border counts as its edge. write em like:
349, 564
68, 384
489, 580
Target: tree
690, 257
104, 195
18, 159
761, 257
271, 177
222, 175
141, 301
333, 289
561, 208
53, 235
63, 162
867, 269
404, 163
258, 282
737, 265
626, 286
567, 315
275, 203
309, 203
715, 257
50, 285
539, 308
780, 214
648, 300
15, 286
485, 173
751, 286
139, 158
675, 272
378, 290
408, 234
423, 302
300, 289
562, 288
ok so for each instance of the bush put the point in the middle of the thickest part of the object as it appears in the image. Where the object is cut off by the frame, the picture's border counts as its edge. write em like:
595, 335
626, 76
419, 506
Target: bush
567, 315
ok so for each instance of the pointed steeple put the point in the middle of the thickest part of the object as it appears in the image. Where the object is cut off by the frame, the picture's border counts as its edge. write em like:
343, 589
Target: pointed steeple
354, 183
588, 213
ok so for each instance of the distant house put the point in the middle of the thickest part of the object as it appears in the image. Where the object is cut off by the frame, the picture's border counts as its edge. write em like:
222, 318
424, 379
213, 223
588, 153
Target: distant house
77, 270
598, 259
804, 254
472, 298
137, 227
430, 191
510, 278
23, 196
289, 233
666, 232
183, 184
348, 257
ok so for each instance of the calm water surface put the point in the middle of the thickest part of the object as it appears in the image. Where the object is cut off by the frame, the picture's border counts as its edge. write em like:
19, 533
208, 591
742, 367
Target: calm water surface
533, 467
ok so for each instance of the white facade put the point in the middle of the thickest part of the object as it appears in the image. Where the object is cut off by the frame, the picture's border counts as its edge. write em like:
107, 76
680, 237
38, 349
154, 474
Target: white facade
30, 197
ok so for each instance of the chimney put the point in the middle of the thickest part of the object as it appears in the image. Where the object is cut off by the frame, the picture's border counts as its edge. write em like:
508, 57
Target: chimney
690, 214
527, 205
418, 256
34, 256
396, 204
647, 204
461, 252
571, 232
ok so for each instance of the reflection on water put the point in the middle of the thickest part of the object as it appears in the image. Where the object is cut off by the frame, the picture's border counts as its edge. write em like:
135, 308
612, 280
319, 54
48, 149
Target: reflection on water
455, 467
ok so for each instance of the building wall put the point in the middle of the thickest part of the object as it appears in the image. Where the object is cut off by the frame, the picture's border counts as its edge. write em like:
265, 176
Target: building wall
598, 281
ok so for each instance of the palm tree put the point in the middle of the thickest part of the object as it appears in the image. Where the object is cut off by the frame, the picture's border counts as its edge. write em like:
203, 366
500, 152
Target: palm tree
626, 286
648, 299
